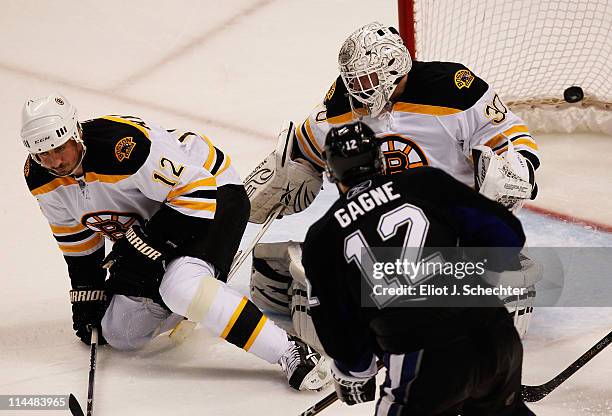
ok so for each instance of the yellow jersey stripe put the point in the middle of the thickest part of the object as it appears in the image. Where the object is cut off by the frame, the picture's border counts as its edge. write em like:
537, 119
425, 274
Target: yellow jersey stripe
195, 205
255, 333
54, 184
521, 128
314, 158
234, 317
211, 153
526, 142
311, 137
432, 110
61, 229
495, 141
130, 123
96, 177
341, 119
77, 248
211, 182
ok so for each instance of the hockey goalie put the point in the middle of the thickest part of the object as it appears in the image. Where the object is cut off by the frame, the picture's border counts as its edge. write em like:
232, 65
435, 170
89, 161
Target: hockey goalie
424, 114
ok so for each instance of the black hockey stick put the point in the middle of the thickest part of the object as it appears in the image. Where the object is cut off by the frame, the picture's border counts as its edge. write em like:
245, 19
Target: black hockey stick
73, 403
535, 393
328, 400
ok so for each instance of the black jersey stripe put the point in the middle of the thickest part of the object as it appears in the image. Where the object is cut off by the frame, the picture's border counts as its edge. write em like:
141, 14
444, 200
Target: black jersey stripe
202, 193
245, 325
219, 158
504, 144
309, 141
73, 238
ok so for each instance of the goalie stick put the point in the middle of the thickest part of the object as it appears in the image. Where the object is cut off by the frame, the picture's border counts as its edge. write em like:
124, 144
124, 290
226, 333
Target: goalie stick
535, 393
73, 403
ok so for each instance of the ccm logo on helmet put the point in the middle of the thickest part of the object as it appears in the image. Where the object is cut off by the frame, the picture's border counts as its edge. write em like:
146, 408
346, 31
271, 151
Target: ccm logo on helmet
141, 246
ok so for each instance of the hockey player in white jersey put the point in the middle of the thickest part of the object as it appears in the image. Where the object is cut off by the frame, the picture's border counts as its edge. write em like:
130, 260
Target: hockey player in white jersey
424, 114
176, 210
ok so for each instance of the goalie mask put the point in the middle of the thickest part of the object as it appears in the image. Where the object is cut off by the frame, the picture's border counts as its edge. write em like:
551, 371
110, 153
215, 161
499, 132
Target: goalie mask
372, 61
352, 154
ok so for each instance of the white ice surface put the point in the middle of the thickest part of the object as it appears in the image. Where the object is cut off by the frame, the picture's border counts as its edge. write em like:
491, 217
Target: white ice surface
235, 69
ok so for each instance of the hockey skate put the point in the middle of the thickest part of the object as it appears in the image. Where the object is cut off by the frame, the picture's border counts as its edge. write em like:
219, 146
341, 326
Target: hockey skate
305, 368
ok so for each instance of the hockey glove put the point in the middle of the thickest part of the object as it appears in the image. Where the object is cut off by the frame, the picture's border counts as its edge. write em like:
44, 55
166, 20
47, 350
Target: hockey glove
88, 307
137, 265
351, 389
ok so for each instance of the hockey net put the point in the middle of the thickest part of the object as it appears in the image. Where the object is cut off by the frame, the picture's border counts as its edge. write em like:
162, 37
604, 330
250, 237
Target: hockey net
529, 51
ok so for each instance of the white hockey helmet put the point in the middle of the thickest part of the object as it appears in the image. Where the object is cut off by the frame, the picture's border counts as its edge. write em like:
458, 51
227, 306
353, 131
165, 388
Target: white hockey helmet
47, 123
372, 62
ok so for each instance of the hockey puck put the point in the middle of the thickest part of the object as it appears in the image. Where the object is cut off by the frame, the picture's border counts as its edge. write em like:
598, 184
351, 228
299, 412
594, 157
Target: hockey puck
573, 94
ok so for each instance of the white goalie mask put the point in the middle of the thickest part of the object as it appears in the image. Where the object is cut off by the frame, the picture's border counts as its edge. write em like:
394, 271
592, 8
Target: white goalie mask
372, 62
47, 123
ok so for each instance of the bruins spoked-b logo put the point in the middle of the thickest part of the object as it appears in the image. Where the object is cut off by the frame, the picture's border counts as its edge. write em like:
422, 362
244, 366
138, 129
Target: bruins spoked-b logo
124, 148
401, 154
112, 224
463, 78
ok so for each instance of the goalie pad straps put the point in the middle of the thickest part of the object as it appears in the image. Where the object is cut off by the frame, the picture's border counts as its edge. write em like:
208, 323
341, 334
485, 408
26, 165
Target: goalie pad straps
278, 284
279, 180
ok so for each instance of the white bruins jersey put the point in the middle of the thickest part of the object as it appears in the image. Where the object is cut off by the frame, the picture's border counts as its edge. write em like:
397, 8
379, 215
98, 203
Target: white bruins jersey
444, 112
130, 168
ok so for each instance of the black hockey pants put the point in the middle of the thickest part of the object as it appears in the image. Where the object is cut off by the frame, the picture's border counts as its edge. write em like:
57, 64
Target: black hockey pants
474, 375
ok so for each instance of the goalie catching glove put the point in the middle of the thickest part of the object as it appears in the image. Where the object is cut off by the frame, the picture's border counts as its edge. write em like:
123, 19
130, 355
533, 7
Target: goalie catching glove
507, 179
279, 180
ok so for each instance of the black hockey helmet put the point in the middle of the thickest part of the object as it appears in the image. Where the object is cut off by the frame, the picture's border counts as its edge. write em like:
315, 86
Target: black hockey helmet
352, 153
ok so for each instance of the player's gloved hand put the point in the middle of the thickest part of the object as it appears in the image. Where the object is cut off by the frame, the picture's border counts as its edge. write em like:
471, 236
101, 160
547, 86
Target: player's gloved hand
88, 307
354, 388
137, 265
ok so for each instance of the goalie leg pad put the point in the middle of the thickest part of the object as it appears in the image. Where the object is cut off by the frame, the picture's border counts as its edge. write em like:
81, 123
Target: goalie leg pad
300, 316
270, 277
521, 306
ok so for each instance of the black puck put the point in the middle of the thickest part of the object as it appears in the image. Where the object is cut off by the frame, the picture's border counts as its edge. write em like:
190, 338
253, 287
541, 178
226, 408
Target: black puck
573, 94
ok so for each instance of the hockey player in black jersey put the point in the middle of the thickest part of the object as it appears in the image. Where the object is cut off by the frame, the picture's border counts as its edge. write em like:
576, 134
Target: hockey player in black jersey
440, 361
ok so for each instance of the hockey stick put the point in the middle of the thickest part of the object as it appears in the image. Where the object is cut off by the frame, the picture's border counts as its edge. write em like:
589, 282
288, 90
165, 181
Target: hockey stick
242, 257
328, 400
535, 393
183, 329
73, 403
530, 393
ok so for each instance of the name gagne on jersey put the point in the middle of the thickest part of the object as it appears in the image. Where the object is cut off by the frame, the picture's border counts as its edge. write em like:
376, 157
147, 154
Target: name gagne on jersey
366, 201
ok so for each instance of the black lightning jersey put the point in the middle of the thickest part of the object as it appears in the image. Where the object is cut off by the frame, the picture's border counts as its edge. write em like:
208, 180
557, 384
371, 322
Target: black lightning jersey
420, 208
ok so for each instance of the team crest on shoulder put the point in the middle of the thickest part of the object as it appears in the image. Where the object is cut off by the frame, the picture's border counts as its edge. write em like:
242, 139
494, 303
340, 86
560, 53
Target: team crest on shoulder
124, 148
26, 168
331, 92
463, 78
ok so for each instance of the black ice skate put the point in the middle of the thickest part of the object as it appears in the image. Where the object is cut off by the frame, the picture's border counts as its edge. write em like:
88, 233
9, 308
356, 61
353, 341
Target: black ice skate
304, 367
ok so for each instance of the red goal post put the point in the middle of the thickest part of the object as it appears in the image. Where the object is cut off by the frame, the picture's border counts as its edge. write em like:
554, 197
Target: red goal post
530, 51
